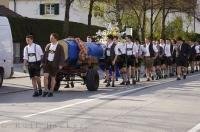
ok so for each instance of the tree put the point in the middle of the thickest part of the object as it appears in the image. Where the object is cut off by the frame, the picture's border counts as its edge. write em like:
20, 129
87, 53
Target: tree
66, 19
90, 12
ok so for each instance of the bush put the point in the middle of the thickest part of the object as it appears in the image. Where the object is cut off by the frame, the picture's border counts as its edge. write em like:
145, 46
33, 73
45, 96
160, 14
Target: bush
41, 29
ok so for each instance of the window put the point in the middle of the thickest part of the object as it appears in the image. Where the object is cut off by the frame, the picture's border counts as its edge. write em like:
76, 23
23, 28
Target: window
49, 9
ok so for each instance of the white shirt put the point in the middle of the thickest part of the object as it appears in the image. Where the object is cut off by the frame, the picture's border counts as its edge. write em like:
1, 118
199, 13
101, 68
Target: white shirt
197, 48
108, 49
167, 50
131, 48
33, 49
120, 49
140, 49
147, 52
52, 50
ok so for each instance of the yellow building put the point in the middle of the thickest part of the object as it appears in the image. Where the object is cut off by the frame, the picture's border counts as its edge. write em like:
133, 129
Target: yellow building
4, 3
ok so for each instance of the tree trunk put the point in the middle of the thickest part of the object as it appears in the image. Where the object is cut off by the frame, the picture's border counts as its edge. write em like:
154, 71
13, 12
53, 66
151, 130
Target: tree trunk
151, 25
118, 17
163, 35
90, 12
66, 19
143, 27
15, 5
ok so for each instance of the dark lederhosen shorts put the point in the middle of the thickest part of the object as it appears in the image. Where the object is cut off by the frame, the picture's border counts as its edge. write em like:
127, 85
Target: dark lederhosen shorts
121, 61
148, 62
197, 57
34, 69
157, 61
138, 63
130, 60
192, 58
167, 60
51, 69
108, 63
182, 61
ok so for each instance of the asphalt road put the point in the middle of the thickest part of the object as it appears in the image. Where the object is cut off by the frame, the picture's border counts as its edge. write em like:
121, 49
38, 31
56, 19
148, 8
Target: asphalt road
164, 106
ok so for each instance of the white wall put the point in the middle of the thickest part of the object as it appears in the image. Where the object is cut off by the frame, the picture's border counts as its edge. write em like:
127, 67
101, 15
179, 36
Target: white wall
78, 12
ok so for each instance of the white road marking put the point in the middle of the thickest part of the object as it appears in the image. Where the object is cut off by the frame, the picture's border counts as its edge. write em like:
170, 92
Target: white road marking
195, 128
6, 121
89, 100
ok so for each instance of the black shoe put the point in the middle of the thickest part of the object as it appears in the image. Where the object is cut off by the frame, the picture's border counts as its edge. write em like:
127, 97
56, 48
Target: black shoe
133, 82
178, 78
50, 94
171, 74
148, 80
128, 83
44, 94
122, 83
157, 78
113, 85
116, 79
152, 77
105, 81
35, 94
40, 92
108, 84
165, 76
184, 76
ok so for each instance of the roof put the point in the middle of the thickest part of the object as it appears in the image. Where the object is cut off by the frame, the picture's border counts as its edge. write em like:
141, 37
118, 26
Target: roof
7, 12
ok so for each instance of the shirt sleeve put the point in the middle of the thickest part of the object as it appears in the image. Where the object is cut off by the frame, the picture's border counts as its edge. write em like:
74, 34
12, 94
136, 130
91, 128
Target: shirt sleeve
197, 49
117, 49
25, 55
155, 49
135, 49
40, 50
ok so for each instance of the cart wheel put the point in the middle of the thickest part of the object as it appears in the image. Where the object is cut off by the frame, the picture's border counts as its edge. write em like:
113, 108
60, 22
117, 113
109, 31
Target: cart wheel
92, 80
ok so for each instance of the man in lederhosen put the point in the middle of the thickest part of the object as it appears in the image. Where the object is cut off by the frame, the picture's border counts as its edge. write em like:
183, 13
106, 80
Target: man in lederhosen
151, 53
197, 57
193, 54
139, 60
121, 61
182, 56
110, 60
168, 49
53, 61
158, 59
174, 44
32, 58
131, 55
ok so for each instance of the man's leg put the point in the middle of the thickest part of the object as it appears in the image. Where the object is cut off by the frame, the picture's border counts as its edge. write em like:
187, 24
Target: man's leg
179, 69
46, 84
39, 86
53, 83
34, 83
107, 78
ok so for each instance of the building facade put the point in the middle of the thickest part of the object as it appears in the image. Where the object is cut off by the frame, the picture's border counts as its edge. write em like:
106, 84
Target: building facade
53, 9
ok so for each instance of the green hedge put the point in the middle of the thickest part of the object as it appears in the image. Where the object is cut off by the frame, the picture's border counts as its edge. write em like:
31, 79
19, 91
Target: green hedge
41, 29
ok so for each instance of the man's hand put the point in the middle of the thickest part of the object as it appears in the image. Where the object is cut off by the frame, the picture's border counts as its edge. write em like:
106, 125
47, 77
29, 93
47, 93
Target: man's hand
60, 67
24, 69
113, 62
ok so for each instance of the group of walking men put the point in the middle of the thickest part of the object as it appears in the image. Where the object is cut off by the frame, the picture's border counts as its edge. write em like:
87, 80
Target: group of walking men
162, 59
